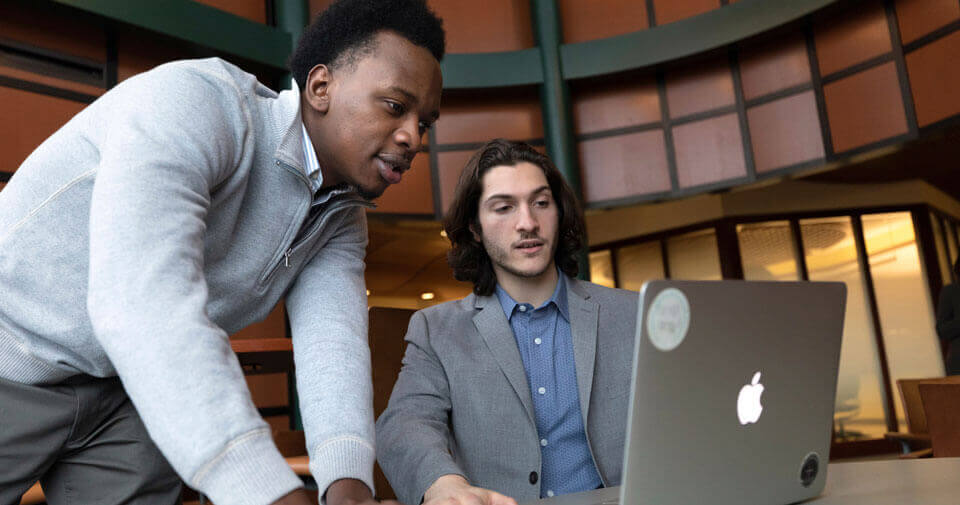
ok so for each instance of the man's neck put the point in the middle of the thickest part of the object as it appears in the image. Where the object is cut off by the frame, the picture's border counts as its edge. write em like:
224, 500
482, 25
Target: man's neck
533, 290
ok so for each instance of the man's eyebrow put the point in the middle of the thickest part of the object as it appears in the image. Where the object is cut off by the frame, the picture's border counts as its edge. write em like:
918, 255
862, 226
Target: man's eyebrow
506, 196
406, 94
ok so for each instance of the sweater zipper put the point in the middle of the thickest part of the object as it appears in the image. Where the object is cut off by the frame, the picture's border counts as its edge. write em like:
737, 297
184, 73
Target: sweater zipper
334, 207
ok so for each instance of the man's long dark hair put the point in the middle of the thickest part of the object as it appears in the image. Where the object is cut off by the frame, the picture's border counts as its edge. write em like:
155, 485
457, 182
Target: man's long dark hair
467, 257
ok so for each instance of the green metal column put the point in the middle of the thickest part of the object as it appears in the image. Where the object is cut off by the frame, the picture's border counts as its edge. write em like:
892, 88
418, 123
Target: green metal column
555, 101
292, 16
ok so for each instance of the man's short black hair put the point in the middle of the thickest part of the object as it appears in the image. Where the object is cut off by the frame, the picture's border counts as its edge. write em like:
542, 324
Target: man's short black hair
345, 30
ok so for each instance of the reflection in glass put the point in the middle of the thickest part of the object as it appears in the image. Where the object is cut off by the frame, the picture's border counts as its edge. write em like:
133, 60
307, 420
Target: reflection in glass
694, 256
831, 255
941, 247
601, 268
903, 299
639, 263
767, 251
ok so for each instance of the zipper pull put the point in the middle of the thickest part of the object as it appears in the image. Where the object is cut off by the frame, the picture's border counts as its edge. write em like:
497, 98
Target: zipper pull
286, 258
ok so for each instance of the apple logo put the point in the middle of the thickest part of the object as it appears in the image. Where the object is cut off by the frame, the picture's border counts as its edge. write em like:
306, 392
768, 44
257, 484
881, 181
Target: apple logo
748, 403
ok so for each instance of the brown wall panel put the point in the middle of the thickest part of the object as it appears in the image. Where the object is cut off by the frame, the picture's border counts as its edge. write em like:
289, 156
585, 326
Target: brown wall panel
850, 34
481, 120
865, 107
934, 72
609, 105
139, 53
414, 194
772, 65
52, 29
24, 75
28, 119
584, 20
917, 18
450, 164
785, 132
317, 6
273, 326
668, 11
254, 10
624, 166
699, 86
709, 151
491, 25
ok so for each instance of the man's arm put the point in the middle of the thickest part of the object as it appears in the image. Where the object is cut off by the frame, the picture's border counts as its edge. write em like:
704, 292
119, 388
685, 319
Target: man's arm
413, 432
327, 306
173, 134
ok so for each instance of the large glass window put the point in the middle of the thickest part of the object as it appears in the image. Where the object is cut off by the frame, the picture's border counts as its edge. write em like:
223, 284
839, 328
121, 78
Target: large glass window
694, 256
831, 255
903, 299
601, 268
639, 263
767, 251
940, 245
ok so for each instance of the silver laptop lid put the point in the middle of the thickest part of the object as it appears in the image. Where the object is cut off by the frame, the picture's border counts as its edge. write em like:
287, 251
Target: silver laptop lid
733, 392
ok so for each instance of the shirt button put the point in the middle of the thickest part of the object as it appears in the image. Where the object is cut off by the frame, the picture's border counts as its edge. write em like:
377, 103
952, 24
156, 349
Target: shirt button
523, 308
542, 391
533, 477
550, 494
543, 442
537, 341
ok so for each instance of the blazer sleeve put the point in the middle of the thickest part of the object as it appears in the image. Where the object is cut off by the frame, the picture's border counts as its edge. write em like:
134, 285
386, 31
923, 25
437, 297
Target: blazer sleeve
413, 432
948, 324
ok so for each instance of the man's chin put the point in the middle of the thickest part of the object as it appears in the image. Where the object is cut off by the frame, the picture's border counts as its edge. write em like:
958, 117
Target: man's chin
371, 193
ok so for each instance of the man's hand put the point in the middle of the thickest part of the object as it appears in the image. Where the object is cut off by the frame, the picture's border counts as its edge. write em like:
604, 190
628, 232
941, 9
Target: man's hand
353, 492
455, 490
295, 497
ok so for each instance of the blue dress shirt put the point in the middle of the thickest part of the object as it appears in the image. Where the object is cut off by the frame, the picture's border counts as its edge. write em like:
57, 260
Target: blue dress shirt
546, 347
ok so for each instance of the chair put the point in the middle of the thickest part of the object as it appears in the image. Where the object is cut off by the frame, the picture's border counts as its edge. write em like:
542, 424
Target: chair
941, 404
915, 443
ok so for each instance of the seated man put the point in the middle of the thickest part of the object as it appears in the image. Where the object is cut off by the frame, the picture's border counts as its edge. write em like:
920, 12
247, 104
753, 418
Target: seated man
519, 389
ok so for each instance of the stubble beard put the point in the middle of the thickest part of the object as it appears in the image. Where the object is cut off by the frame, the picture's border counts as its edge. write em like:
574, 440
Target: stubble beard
501, 258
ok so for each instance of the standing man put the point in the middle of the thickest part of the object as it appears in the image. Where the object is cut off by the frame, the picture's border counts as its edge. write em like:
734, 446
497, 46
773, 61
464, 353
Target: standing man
518, 391
182, 206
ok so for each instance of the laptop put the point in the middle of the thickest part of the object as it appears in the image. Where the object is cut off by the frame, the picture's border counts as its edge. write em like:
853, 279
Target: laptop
733, 394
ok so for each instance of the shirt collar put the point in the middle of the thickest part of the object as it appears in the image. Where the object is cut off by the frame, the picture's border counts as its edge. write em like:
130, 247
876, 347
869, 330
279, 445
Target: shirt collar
311, 164
559, 299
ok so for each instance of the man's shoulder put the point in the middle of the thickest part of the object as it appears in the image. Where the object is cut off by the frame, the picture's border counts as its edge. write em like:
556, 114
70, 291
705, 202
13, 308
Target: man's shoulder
602, 294
463, 307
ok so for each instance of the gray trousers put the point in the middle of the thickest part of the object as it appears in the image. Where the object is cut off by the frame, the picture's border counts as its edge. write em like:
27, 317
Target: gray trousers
84, 442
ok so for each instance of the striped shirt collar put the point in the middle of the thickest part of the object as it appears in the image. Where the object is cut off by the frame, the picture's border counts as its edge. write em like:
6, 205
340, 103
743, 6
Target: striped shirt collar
311, 164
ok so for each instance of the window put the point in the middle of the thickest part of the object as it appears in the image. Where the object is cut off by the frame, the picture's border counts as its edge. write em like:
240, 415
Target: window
639, 263
694, 256
768, 252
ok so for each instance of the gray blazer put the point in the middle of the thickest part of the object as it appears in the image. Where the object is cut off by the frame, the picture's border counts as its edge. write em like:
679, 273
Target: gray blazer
462, 405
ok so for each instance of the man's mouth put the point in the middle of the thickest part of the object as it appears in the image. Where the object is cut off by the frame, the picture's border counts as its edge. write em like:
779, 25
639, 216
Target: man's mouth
529, 246
392, 167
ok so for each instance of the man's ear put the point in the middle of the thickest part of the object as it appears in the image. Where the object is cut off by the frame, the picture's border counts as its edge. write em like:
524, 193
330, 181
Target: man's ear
317, 89
476, 234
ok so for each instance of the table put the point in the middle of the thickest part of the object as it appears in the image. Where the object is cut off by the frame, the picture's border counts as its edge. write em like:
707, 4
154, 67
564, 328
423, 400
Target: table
934, 481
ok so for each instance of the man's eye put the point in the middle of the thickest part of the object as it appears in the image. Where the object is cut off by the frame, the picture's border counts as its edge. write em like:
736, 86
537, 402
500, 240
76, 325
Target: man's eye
396, 108
501, 209
542, 203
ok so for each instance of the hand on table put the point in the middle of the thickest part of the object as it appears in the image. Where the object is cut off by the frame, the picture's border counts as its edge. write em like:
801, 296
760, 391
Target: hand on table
455, 490
353, 492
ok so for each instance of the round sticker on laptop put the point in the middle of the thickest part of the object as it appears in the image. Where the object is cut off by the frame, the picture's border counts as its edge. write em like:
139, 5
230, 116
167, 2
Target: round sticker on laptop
669, 319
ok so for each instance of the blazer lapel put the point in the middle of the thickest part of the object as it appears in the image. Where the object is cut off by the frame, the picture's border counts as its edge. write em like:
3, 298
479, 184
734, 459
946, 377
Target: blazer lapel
495, 330
583, 327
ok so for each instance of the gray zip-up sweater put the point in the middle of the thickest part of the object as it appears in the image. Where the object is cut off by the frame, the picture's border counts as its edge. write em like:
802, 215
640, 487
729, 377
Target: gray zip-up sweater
161, 218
